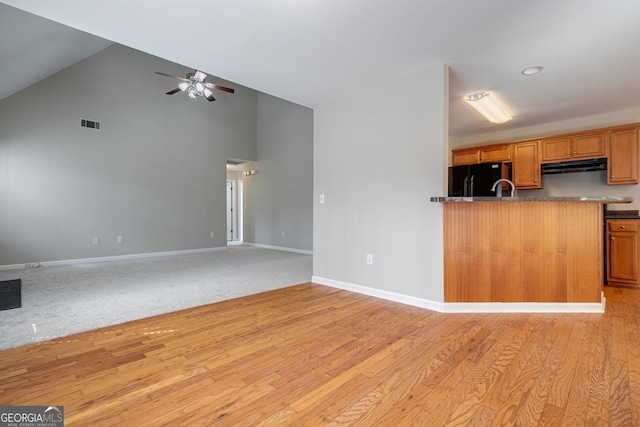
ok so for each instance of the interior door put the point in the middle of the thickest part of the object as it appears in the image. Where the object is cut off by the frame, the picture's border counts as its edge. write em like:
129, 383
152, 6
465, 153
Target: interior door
230, 209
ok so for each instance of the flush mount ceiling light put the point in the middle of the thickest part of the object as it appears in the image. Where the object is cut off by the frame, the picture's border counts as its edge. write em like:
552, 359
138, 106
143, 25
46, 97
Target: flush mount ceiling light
532, 70
491, 110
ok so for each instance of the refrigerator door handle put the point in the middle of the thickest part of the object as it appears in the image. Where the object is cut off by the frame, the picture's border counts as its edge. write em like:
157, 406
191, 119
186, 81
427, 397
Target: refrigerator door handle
473, 185
465, 190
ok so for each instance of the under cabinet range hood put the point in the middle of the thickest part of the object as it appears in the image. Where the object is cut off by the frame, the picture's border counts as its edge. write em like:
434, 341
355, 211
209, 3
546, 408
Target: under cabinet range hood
575, 166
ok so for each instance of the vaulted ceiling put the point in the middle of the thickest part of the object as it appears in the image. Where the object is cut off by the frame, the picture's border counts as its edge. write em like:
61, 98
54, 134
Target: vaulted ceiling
314, 52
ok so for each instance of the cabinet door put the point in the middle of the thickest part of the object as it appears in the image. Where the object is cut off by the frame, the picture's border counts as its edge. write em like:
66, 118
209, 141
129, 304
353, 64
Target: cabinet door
623, 157
526, 165
495, 154
588, 146
622, 249
465, 156
555, 149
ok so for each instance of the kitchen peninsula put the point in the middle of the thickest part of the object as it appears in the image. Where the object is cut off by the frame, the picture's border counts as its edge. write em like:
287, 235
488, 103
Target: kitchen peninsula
524, 250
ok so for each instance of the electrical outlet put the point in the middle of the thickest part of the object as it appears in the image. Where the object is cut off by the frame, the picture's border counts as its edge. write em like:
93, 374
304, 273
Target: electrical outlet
96, 241
283, 234
370, 259
119, 239
322, 199
213, 234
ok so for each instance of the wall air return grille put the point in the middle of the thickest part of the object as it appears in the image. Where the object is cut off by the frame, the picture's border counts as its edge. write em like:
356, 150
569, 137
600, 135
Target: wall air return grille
91, 124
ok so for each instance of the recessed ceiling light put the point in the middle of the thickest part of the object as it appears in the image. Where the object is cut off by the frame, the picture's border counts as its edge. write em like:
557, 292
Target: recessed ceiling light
532, 70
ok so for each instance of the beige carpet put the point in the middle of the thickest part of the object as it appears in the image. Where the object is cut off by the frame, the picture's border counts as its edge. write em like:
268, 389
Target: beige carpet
61, 300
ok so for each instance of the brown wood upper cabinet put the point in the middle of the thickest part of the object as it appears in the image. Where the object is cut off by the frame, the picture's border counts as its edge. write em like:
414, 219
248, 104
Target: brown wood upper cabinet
526, 165
623, 156
619, 144
484, 154
582, 146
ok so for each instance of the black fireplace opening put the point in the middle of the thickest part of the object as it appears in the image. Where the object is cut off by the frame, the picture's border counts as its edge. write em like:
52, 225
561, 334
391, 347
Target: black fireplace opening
10, 294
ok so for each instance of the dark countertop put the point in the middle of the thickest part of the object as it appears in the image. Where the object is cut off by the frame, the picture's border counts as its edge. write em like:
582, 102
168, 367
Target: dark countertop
596, 199
622, 214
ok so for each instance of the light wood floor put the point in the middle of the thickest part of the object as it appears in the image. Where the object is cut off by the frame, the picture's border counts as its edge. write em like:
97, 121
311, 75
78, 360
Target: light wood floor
313, 355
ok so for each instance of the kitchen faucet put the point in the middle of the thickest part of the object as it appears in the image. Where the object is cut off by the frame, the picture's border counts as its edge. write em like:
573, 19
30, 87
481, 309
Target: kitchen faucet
498, 190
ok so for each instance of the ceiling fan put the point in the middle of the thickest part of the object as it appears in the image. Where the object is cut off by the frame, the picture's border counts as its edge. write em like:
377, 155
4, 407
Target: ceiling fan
195, 85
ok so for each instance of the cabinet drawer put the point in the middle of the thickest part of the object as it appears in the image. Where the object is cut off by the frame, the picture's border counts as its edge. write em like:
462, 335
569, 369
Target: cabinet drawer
622, 225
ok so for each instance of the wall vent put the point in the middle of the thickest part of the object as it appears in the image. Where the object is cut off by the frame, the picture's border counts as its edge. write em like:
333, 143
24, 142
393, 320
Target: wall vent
91, 124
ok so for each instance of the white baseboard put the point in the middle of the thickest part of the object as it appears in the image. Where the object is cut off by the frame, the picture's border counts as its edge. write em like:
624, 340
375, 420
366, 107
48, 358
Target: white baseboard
12, 266
468, 307
112, 258
379, 293
280, 248
525, 307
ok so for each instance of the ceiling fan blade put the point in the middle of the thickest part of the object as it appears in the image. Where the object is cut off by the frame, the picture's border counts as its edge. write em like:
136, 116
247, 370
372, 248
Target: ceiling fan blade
171, 92
209, 98
212, 86
175, 77
199, 76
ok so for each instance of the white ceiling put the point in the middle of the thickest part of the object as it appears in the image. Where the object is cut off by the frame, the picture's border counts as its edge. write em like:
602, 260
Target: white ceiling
313, 52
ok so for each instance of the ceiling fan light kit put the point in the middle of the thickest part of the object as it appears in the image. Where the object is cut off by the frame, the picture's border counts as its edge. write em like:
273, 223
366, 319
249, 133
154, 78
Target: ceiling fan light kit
195, 86
488, 107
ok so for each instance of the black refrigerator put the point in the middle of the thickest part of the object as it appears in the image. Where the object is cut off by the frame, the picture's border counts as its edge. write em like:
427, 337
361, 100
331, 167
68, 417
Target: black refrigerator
474, 180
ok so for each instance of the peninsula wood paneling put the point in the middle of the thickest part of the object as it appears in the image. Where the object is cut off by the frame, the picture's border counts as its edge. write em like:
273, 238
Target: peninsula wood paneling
523, 252
585, 249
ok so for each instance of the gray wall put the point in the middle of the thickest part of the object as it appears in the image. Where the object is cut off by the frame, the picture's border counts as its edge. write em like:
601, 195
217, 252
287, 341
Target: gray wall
378, 157
575, 184
155, 174
278, 198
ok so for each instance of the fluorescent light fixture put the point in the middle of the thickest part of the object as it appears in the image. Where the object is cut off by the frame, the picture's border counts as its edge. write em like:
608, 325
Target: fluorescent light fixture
488, 107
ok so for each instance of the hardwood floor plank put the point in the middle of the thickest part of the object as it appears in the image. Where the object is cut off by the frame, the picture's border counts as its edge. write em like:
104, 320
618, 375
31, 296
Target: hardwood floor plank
312, 355
579, 396
633, 369
459, 406
551, 416
619, 399
561, 386
516, 358
539, 395
443, 372
510, 411
484, 416
394, 379
598, 407
484, 378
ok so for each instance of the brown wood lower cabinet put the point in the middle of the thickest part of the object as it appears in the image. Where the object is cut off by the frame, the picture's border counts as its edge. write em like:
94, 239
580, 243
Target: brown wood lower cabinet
523, 252
622, 251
